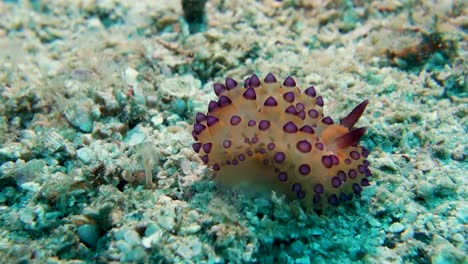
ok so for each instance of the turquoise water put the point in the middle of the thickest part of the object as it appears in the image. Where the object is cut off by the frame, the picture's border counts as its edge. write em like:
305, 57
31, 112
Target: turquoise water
98, 101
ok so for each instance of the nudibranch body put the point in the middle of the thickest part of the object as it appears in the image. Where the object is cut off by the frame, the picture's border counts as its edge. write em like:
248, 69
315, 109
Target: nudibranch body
273, 135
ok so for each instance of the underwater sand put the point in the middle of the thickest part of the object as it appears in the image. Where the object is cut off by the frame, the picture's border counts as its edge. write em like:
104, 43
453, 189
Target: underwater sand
96, 94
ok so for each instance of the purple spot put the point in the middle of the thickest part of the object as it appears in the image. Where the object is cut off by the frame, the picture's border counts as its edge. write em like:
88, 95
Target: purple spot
368, 173
279, 157
218, 88
366, 163
357, 188
313, 113
194, 135
235, 120
216, 167
196, 147
365, 152
205, 159
354, 155
304, 169
264, 125
336, 182
200, 117
310, 91
319, 146
211, 120
247, 140
254, 81
352, 173
300, 195
224, 100
261, 150
335, 159
291, 110
318, 188
227, 143
251, 123
307, 129
250, 94
327, 120
271, 146
333, 200
282, 176
228, 162
270, 78
301, 115
198, 128
304, 146
290, 127
249, 153
270, 101
316, 199
241, 157
254, 140
320, 101
289, 97
327, 161
212, 105
289, 82
347, 161
230, 83
296, 187
207, 147
235, 162
361, 168
300, 107
365, 182
341, 175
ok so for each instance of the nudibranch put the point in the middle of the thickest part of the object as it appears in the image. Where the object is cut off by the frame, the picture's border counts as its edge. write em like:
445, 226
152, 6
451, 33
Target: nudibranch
273, 135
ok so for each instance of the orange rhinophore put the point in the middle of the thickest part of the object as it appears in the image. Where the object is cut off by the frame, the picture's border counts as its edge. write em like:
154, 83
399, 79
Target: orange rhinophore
271, 135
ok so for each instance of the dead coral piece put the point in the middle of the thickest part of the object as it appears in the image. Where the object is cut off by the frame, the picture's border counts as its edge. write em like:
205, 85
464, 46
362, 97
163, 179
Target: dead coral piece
419, 54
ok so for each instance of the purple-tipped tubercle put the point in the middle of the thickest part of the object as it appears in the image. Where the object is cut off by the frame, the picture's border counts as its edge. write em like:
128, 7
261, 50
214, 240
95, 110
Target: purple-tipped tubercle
289, 82
270, 78
230, 83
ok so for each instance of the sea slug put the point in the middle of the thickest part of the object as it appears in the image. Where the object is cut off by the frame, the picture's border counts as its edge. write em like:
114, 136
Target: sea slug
271, 134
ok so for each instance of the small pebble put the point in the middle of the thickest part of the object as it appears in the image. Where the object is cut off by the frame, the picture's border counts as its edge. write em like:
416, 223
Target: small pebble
396, 228
88, 234
85, 155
